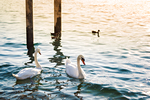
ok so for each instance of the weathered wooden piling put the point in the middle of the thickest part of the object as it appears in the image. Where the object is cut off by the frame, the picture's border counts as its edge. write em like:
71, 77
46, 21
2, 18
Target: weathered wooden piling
29, 24
57, 18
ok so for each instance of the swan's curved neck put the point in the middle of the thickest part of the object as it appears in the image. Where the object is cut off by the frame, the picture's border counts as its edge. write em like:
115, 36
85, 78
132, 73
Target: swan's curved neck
36, 61
79, 68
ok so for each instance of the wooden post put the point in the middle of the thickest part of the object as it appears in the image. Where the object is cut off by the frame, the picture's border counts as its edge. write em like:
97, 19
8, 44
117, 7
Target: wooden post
29, 24
57, 18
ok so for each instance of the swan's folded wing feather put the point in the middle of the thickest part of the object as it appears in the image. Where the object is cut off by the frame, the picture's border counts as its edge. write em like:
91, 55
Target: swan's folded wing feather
71, 70
28, 73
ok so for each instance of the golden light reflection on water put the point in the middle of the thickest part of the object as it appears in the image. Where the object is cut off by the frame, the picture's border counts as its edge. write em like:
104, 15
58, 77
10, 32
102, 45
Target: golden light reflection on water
128, 12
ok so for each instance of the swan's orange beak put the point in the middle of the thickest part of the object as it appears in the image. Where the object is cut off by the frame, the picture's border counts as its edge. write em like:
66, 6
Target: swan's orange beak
83, 61
40, 53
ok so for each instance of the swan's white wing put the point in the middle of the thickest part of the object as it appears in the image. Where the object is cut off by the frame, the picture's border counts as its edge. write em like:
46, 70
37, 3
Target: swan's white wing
72, 70
28, 73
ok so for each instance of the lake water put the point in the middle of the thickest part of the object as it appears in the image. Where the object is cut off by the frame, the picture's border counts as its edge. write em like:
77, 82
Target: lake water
117, 62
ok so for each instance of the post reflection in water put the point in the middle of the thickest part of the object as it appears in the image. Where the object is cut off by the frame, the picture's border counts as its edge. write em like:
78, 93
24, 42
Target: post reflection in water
30, 54
59, 56
79, 89
58, 86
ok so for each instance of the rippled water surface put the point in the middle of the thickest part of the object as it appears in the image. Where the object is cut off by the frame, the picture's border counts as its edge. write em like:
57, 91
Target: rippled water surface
117, 62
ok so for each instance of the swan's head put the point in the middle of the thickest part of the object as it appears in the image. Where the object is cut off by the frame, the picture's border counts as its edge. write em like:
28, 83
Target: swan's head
98, 31
38, 50
82, 59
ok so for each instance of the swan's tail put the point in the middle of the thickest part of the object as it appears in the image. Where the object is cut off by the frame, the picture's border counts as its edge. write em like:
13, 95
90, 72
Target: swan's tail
15, 75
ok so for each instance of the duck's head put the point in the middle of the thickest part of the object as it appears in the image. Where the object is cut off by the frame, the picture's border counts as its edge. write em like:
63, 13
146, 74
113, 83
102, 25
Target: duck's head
38, 50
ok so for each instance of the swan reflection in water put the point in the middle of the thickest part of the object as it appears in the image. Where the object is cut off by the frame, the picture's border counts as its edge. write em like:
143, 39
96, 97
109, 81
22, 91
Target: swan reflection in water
79, 83
30, 84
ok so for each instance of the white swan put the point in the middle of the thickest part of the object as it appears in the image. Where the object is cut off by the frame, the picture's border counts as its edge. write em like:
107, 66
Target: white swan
75, 71
30, 72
